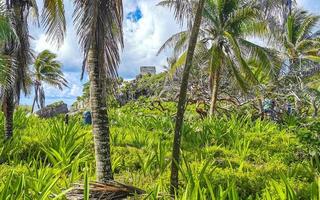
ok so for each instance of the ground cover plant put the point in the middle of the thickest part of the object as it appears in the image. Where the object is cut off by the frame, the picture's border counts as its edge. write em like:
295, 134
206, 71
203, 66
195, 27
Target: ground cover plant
231, 157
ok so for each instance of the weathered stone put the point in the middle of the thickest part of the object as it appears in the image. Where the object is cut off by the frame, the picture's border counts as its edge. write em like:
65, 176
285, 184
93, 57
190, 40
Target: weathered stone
144, 70
53, 110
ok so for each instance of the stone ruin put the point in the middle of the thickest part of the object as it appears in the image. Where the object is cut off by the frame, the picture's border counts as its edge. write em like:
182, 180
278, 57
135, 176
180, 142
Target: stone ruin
53, 110
151, 70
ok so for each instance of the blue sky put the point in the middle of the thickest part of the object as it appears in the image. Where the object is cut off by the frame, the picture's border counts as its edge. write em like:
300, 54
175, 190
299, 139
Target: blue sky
135, 15
146, 28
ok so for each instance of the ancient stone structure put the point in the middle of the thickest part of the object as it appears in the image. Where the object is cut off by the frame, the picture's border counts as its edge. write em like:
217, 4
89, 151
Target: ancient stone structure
144, 70
53, 110
81, 105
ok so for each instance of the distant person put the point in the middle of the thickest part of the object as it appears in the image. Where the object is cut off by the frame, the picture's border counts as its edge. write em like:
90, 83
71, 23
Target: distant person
269, 108
289, 108
266, 105
87, 119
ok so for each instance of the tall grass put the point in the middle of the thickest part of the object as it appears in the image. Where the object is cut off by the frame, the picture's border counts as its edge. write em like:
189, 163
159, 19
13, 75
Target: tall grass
228, 157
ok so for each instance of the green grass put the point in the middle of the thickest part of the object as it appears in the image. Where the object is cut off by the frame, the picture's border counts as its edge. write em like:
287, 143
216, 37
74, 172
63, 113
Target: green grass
223, 158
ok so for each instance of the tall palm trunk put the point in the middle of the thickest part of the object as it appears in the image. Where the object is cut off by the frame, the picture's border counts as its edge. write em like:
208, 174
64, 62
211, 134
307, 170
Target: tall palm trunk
214, 92
100, 120
182, 100
21, 56
8, 109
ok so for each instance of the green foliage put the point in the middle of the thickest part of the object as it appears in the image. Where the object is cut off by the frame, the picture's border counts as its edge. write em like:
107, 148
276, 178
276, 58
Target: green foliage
227, 157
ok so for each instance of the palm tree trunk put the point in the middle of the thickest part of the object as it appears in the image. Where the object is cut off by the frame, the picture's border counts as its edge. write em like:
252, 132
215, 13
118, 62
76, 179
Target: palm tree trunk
35, 98
100, 120
260, 104
182, 100
33, 104
8, 109
214, 93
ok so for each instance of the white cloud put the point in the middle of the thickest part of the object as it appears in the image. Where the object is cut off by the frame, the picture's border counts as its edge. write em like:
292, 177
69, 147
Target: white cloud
68, 54
144, 38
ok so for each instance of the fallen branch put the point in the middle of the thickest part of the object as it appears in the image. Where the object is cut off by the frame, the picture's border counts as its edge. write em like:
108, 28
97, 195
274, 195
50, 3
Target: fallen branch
111, 191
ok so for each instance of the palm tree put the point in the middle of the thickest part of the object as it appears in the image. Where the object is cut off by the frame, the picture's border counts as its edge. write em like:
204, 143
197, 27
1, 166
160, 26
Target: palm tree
99, 28
223, 44
300, 44
183, 10
46, 70
300, 50
7, 62
53, 20
227, 25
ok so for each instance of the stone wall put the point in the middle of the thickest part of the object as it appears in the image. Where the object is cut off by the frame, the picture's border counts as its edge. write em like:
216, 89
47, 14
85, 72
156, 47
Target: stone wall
53, 110
144, 70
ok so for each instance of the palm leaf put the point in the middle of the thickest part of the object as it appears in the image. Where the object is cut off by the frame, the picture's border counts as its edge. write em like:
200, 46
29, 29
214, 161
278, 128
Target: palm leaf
237, 52
183, 9
99, 25
53, 20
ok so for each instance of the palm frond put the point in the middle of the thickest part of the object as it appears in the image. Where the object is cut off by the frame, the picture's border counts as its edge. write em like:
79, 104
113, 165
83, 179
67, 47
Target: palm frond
178, 41
183, 9
312, 58
99, 25
53, 20
269, 59
238, 55
241, 16
306, 27
7, 31
48, 70
240, 80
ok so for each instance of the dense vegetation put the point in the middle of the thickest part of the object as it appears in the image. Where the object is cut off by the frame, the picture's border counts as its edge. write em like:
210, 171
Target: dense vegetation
231, 118
229, 157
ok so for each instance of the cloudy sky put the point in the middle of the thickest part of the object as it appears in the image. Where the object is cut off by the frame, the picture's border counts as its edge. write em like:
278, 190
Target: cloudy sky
146, 28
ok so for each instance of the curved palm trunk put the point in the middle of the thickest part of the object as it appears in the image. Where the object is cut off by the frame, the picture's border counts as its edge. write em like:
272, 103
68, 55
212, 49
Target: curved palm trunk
8, 109
214, 92
182, 101
42, 97
33, 104
35, 98
100, 120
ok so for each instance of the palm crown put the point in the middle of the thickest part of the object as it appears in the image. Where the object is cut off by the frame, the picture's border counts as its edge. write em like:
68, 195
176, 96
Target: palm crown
300, 43
46, 70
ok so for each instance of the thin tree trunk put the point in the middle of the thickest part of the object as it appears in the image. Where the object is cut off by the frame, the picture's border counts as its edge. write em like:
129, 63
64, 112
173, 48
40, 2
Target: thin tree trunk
214, 92
35, 98
8, 109
33, 104
174, 181
296, 105
315, 108
260, 104
100, 120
